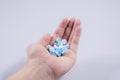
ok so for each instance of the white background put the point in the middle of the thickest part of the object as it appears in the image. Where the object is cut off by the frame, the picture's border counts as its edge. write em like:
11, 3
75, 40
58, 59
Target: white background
25, 21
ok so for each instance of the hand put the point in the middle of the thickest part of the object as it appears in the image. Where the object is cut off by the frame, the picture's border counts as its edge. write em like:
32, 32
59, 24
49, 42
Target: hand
68, 29
41, 65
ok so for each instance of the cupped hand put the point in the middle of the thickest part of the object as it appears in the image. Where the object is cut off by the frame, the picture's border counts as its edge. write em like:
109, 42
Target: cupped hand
67, 29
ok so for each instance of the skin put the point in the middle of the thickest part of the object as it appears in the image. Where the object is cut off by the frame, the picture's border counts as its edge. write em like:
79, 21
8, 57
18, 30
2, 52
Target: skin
41, 65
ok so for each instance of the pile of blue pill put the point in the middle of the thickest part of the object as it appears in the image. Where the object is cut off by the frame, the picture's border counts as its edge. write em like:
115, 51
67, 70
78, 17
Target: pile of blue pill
59, 48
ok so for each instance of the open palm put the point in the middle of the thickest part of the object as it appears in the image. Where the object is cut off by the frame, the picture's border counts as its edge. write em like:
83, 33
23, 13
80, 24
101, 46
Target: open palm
68, 29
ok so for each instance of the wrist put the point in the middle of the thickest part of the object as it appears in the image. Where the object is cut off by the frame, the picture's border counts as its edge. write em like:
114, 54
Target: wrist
34, 70
41, 69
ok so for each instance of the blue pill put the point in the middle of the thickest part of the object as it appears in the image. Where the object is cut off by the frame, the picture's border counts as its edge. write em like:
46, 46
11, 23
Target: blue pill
55, 46
64, 51
59, 48
58, 54
52, 49
58, 41
54, 54
67, 46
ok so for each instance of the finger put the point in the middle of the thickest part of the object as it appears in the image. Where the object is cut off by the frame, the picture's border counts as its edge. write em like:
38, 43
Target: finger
75, 39
68, 29
76, 24
45, 39
60, 30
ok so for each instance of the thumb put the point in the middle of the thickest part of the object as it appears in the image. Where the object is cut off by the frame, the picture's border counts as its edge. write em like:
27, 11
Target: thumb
45, 39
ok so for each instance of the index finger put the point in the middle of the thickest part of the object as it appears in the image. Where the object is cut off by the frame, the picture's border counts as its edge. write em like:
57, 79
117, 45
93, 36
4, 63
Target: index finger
60, 30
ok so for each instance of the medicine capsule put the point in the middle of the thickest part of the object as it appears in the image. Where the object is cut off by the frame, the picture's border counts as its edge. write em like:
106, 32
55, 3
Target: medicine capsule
64, 41
59, 48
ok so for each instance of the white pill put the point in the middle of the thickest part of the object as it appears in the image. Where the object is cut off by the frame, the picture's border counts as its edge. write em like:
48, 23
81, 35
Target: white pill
64, 41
